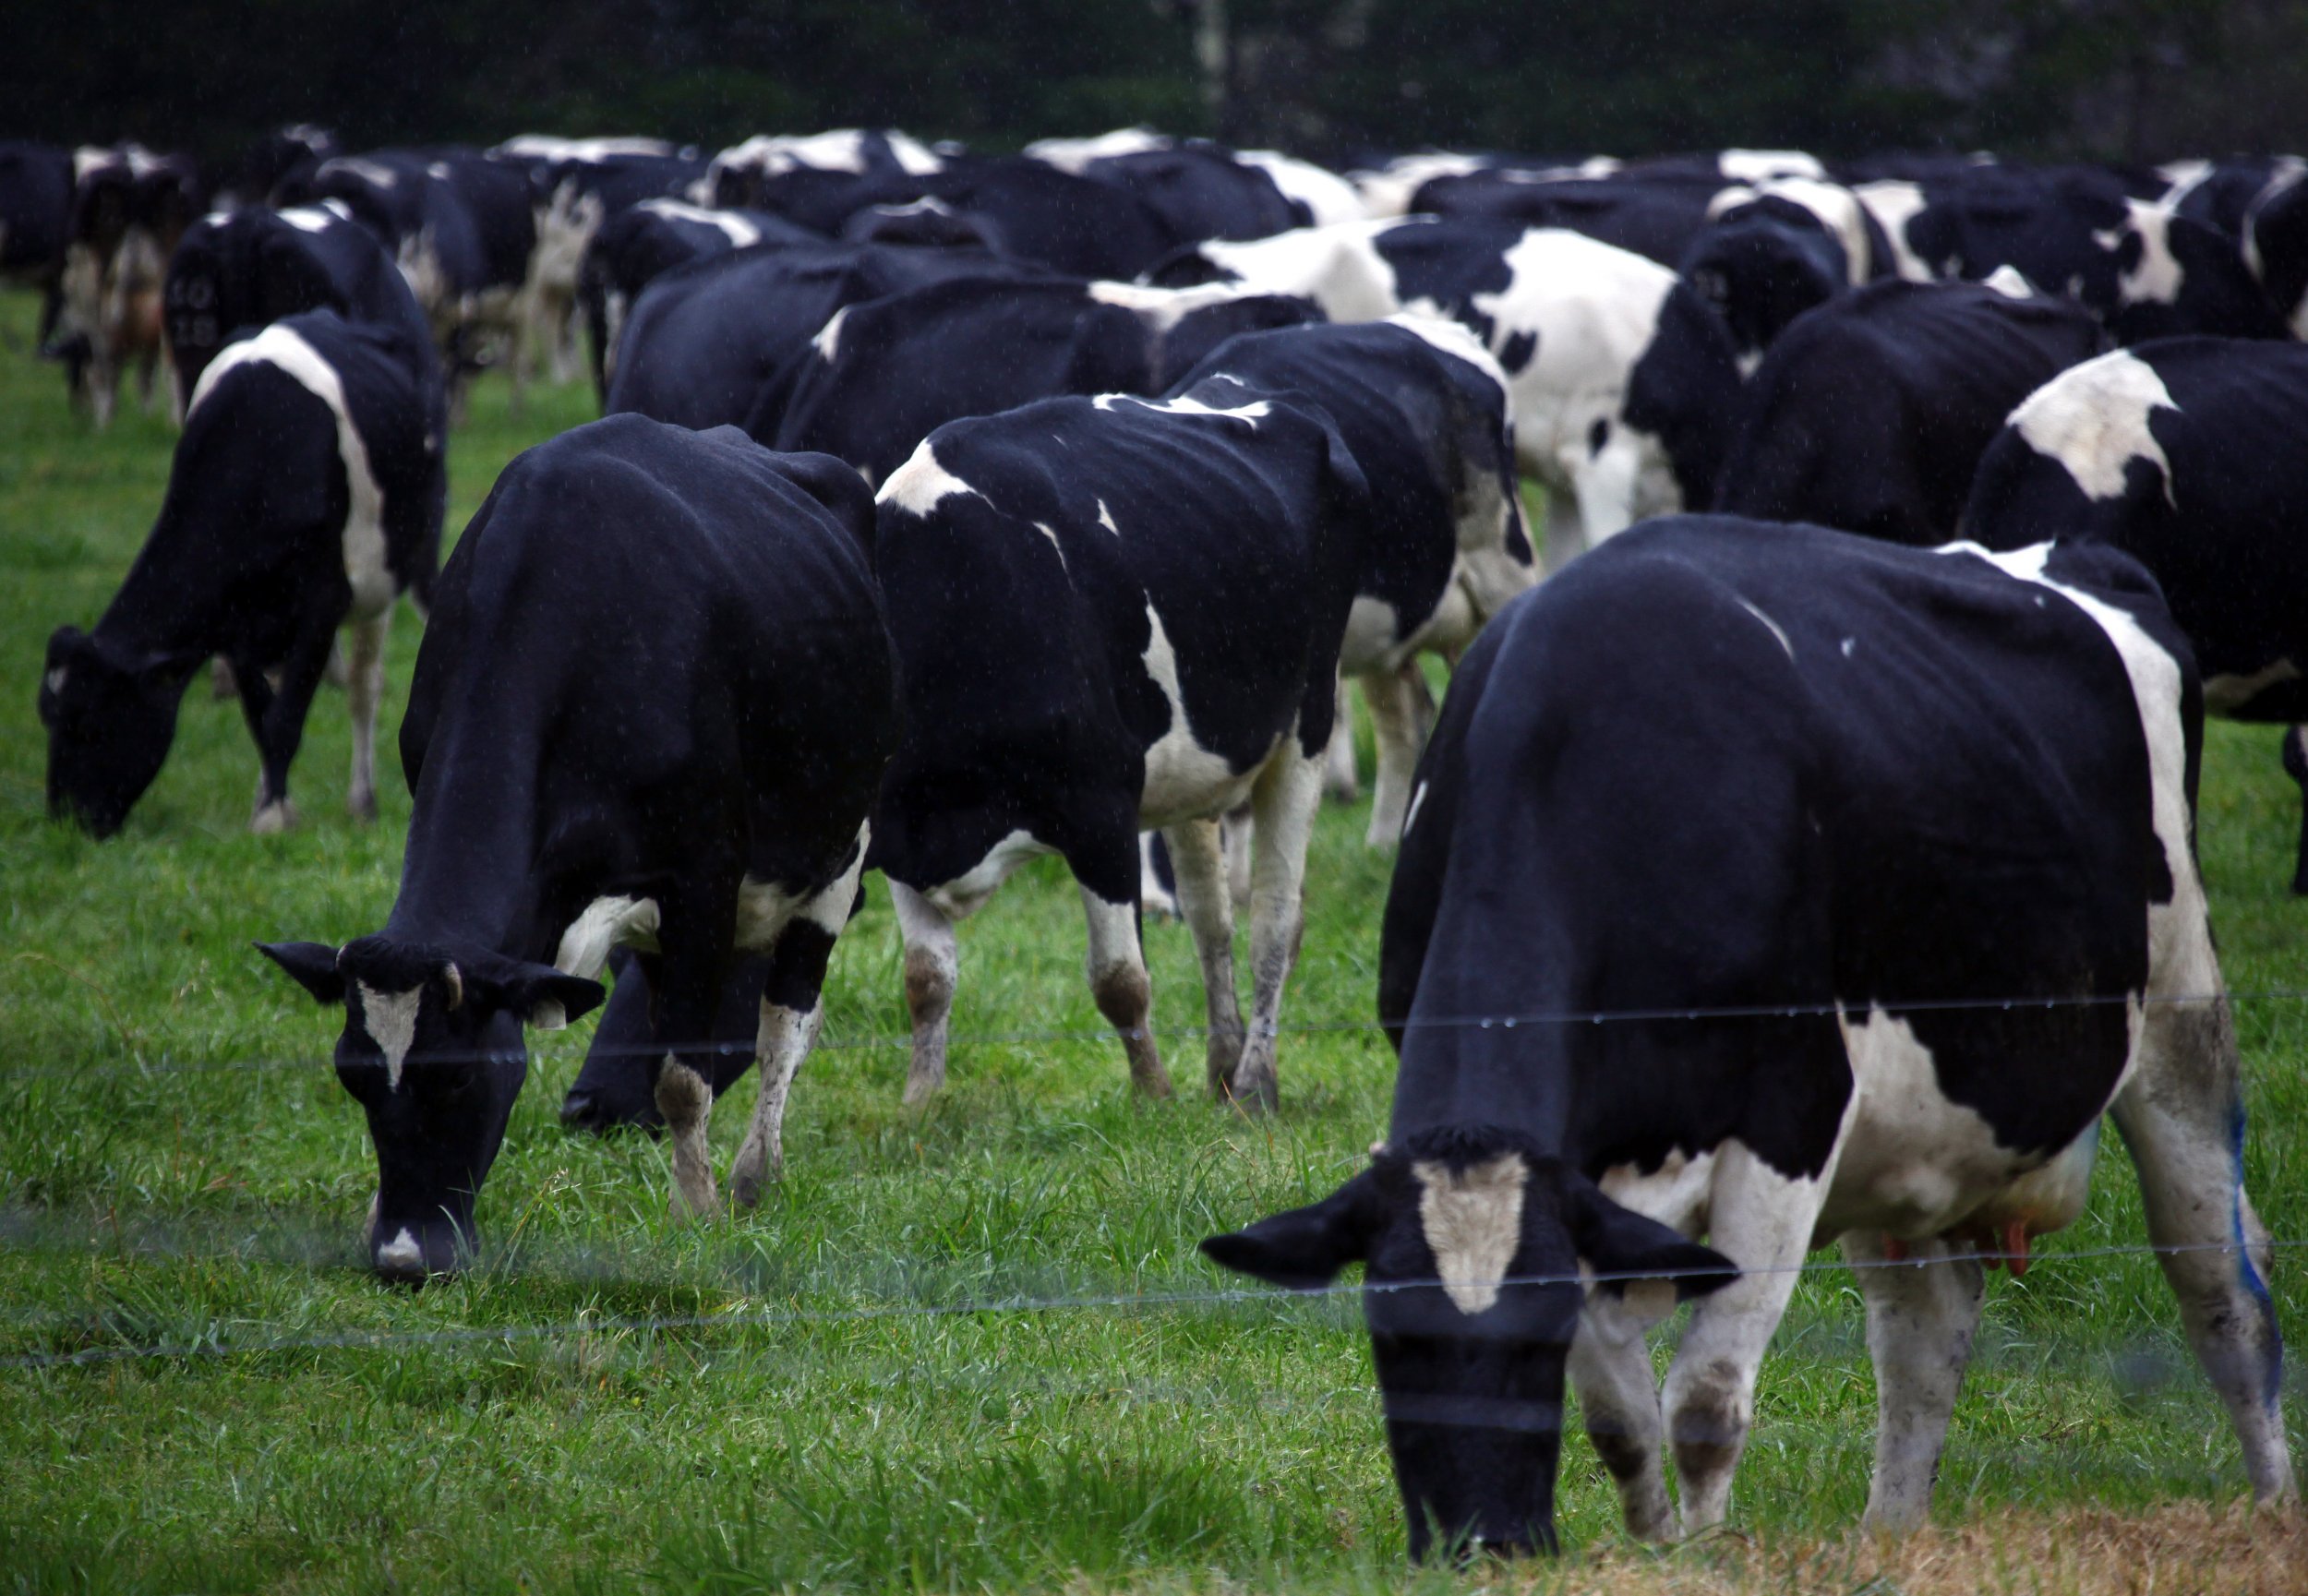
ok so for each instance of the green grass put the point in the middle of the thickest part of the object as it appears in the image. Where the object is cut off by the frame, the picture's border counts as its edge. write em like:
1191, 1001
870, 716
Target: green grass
155, 1193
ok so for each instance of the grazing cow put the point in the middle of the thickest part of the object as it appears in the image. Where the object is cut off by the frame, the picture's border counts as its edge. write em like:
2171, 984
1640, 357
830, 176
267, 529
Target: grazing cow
1764, 259
1425, 409
241, 269
1064, 222
130, 207
636, 245
1201, 190
1938, 911
882, 376
36, 222
1625, 384
725, 814
1871, 414
1114, 615
818, 179
306, 495
722, 340
2191, 454
1656, 218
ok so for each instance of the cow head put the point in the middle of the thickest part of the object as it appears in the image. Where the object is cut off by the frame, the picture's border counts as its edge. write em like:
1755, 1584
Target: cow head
1762, 264
432, 1051
1472, 1245
110, 715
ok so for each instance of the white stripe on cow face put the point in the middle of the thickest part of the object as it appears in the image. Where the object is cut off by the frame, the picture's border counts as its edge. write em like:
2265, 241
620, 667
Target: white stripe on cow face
390, 1018
1472, 1220
2094, 421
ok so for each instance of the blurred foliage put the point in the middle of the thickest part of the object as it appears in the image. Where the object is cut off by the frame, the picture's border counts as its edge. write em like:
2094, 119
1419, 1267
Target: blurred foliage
1340, 79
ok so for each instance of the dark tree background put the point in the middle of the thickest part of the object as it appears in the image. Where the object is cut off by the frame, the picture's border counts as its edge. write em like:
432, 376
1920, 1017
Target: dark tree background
1337, 80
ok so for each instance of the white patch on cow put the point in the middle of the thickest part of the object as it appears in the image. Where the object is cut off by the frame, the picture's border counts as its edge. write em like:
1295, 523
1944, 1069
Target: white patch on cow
741, 231
54, 681
390, 1018
591, 152
1106, 519
1339, 268
2093, 419
2227, 694
400, 1256
1837, 208
1849, 644
764, 911
1075, 155
1417, 799
2010, 282
828, 340
1472, 1220
309, 218
1188, 404
2156, 276
1328, 198
1763, 165
439, 170
371, 172
1373, 628
966, 893
607, 922
917, 486
1162, 308
1776, 629
1052, 534
1675, 1194
364, 536
1893, 203
1387, 192
840, 149
90, 158
1183, 778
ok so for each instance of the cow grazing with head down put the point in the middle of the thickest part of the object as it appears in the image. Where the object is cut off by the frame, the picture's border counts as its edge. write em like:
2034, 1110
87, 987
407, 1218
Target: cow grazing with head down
2191, 454
1114, 614
307, 494
1425, 411
723, 812
1940, 911
639, 244
1872, 412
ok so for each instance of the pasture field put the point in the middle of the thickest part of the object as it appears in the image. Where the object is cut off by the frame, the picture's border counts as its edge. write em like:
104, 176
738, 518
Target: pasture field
864, 1385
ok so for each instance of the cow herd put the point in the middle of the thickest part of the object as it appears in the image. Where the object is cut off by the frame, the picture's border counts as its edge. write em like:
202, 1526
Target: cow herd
950, 510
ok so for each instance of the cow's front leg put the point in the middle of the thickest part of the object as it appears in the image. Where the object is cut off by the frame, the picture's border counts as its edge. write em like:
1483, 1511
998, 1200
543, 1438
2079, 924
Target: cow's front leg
1618, 1399
693, 933
791, 1017
1920, 1323
933, 965
1762, 1221
366, 690
1282, 805
1199, 858
276, 716
1116, 967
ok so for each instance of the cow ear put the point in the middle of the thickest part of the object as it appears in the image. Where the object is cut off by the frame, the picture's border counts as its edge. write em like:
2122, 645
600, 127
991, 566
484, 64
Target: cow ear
836, 485
1305, 1248
313, 964
1627, 1248
538, 995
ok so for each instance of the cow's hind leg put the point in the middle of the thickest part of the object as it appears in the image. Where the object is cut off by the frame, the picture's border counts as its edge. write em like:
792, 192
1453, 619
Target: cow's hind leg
2296, 766
2181, 1114
932, 964
1116, 965
276, 715
1762, 1221
693, 933
1341, 780
791, 1017
1282, 805
1921, 1318
1619, 1400
1199, 858
367, 691
1396, 699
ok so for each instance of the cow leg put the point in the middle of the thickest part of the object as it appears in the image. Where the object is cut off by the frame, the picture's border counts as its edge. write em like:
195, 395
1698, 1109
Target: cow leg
276, 713
2296, 766
1920, 1324
2182, 1114
1239, 830
791, 1017
1282, 807
367, 691
1565, 536
694, 926
1619, 1400
932, 961
1341, 780
1155, 894
1116, 968
1605, 484
1199, 859
1395, 720
1762, 1221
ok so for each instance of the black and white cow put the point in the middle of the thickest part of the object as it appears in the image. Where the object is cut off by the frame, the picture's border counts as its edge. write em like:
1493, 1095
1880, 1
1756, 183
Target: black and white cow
1871, 414
1766, 256
285, 155
307, 494
2190, 454
1202, 190
818, 179
722, 811
1114, 614
1057, 220
36, 222
1658, 218
2276, 248
636, 245
1425, 411
1935, 781
1626, 387
882, 375
233, 272
130, 207
722, 340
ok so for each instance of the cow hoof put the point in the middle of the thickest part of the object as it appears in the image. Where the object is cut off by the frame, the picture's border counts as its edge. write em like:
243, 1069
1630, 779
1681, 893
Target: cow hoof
363, 809
1255, 1093
274, 818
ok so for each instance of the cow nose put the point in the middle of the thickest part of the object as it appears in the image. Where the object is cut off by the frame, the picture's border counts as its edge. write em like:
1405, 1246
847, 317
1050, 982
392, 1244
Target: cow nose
580, 1110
